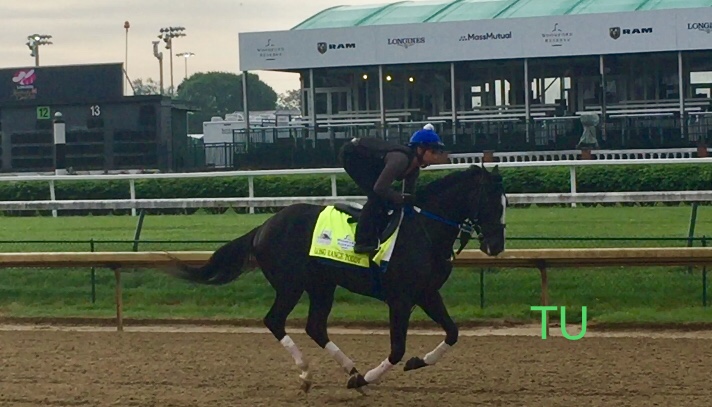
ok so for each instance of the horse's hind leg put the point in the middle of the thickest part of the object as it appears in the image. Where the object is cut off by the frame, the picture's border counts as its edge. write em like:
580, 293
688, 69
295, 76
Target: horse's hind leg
276, 319
321, 300
433, 305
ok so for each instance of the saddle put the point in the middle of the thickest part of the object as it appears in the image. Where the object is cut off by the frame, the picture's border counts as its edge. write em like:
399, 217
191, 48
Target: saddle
384, 231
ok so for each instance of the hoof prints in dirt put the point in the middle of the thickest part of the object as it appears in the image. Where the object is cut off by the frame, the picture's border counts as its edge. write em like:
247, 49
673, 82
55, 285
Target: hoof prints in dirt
196, 369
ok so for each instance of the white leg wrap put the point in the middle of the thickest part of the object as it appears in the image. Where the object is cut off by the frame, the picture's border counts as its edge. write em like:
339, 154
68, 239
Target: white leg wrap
374, 375
289, 344
339, 356
433, 357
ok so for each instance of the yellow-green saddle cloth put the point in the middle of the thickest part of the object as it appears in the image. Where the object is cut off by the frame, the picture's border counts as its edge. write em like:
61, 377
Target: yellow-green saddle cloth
333, 239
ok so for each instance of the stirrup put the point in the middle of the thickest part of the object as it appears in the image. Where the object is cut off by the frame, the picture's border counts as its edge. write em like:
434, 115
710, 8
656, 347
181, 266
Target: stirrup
372, 251
370, 247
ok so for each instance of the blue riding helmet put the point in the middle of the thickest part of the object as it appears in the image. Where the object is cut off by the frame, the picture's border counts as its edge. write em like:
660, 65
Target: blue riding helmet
427, 139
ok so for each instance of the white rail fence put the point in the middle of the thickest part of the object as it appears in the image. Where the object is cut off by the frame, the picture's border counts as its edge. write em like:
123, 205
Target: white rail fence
522, 156
251, 201
271, 202
571, 155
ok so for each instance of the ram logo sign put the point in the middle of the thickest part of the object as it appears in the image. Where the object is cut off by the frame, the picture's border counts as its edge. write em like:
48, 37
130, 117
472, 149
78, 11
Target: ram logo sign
322, 47
617, 32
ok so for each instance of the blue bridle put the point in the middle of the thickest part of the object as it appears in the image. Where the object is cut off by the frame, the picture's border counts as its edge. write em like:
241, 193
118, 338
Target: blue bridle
468, 229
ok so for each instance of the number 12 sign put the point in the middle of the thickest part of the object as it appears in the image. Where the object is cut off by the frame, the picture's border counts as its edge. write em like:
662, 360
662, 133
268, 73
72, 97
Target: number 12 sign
43, 113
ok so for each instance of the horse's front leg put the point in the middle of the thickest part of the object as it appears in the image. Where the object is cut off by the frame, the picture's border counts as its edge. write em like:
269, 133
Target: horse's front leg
399, 311
321, 299
433, 305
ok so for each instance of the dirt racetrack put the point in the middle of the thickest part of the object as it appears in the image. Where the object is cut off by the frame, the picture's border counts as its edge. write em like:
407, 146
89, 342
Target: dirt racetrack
183, 367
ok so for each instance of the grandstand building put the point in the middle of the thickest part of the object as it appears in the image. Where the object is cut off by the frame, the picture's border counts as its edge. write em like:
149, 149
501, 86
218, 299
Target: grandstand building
504, 75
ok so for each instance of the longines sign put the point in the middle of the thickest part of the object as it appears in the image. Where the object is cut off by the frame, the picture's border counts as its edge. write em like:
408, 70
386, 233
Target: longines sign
706, 27
406, 42
516, 38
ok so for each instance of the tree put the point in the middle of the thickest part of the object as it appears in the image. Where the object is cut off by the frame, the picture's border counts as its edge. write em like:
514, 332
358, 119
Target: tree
220, 93
290, 100
150, 87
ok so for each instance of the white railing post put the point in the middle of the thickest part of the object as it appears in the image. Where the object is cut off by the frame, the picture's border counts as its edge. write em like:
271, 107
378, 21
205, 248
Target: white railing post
333, 185
572, 181
251, 190
52, 197
132, 188
60, 145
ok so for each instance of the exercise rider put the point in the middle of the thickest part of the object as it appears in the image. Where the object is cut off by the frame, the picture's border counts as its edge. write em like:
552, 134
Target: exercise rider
375, 164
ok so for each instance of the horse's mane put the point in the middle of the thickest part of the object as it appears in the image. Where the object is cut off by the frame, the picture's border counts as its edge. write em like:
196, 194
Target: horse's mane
439, 185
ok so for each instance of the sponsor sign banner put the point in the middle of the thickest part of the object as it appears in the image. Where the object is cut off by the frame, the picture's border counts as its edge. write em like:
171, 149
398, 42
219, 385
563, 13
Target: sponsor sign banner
694, 29
534, 37
595, 34
647, 32
306, 49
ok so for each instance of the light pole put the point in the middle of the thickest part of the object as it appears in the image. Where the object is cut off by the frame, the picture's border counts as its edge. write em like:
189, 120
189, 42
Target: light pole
167, 35
159, 56
185, 55
126, 54
33, 43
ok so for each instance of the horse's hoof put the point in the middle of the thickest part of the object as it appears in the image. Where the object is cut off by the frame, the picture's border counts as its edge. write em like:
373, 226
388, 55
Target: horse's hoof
361, 390
306, 382
356, 381
414, 363
305, 386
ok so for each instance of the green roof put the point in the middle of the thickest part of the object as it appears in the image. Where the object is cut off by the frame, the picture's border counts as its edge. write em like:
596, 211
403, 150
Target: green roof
410, 12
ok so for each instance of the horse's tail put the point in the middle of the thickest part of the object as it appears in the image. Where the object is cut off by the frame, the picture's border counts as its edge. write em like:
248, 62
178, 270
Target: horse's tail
225, 265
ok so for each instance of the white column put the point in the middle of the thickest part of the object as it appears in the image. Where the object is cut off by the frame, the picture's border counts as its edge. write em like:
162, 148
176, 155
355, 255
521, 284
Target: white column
246, 108
381, 104
681, 80
453, 101
527, 89
312, 103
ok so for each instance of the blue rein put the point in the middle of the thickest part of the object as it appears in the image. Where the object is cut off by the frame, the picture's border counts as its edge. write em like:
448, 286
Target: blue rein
467, 226
467, 229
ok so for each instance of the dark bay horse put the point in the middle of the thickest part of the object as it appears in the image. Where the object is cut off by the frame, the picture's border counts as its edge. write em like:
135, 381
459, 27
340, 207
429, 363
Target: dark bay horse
419, 266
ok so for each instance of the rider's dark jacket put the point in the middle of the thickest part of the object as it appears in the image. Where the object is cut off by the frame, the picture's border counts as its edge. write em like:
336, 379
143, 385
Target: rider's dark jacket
390, 160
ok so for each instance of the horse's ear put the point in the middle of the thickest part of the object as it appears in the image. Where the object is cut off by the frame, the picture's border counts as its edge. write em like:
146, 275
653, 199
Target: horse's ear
495, 170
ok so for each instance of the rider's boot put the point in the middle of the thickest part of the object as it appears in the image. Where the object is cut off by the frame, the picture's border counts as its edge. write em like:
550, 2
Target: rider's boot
366, 239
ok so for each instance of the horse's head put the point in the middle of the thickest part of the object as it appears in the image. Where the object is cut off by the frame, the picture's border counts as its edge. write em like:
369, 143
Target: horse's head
487, 207
475, 195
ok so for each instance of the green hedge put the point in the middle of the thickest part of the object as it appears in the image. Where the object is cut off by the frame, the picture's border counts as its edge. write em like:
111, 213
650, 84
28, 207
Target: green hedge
516, 180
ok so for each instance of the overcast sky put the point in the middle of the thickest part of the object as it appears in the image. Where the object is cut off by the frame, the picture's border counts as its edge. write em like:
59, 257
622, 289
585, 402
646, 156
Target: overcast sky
92, 31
